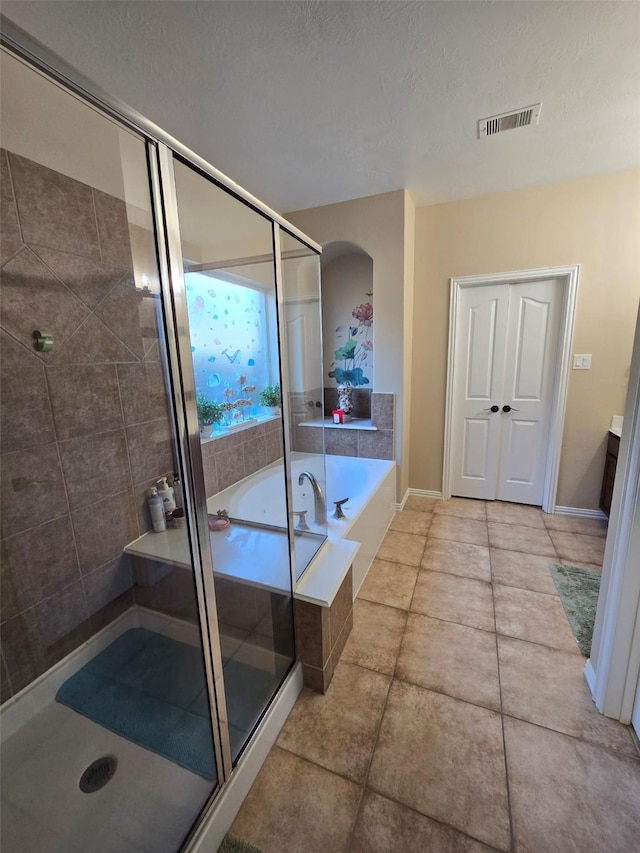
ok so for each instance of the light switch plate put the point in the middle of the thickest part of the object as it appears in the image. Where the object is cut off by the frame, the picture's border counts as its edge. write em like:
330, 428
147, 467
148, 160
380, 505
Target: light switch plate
582, 362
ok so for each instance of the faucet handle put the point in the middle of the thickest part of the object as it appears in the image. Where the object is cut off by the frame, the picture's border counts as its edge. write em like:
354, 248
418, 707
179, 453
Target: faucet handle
302, 521
338, 505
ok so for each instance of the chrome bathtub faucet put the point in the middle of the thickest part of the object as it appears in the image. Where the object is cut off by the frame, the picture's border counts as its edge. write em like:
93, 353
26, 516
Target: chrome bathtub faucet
319, 505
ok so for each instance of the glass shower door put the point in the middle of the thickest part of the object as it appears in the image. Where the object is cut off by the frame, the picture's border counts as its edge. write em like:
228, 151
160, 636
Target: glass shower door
107, 737
229, 285
302, 346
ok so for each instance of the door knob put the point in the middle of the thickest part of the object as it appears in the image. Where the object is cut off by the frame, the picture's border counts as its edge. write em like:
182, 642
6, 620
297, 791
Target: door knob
509, 409
492, 409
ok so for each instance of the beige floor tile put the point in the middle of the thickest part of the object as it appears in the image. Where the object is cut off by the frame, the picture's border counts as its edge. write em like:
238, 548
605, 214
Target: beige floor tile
459, 529
450, 658
547, 686
387, 827
568, 795
445, 759
375, 639
508, 513
297, 806
405, 548
457, 558
571, 524
411, 521
455, 599
532, 616
516, 537
578, 546
418, 504
528, 571
389, 583
462, 508
338, 730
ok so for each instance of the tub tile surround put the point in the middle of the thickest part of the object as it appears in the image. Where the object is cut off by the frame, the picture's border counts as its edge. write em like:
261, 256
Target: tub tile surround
481, 736
321, 634
85, 427
363, 443
231, 457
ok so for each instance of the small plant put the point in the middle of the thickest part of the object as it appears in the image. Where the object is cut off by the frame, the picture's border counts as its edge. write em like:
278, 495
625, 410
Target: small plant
222, 513
209, 412
270, 396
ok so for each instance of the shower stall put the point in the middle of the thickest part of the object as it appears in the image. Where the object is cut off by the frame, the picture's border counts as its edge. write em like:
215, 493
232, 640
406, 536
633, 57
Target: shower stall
161, 345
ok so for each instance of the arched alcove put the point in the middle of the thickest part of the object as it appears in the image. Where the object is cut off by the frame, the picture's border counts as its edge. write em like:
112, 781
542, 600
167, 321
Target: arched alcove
347, 324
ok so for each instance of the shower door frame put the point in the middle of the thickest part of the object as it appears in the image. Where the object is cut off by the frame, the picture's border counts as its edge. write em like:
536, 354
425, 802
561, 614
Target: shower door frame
161, 148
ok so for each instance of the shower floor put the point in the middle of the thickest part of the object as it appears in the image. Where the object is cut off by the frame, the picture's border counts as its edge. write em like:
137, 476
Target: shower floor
150, 803
148, 806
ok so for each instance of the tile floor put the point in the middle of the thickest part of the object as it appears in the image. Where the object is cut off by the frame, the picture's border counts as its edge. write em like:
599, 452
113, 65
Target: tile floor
458, 718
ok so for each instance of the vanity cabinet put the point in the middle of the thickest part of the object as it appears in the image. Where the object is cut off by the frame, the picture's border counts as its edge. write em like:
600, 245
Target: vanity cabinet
608, 479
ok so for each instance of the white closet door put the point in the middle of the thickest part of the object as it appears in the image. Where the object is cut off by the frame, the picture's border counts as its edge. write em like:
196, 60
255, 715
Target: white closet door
506, 356
479, 376
529, 370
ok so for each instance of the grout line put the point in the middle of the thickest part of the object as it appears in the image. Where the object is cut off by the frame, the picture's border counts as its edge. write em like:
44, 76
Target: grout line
485, 845
502, 715
608, 749
95, 219
376, 739
13, 196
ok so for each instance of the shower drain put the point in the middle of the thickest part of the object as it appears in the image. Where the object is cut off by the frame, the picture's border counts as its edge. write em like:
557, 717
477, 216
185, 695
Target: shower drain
98, 773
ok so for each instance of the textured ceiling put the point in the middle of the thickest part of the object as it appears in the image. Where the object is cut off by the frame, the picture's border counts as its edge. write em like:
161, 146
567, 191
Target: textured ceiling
308, 103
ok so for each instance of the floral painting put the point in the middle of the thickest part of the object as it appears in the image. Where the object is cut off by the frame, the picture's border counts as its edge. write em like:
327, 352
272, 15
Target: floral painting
353, 357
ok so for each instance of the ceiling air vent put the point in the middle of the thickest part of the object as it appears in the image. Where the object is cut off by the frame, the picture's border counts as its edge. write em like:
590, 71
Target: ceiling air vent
509, 121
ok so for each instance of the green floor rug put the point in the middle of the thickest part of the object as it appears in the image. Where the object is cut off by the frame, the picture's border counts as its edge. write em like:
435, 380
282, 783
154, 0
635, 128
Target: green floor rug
236, 845
578, 590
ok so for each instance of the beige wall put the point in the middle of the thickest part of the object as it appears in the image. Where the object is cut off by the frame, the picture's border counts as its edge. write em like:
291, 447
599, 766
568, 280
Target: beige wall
594, 222
376, 225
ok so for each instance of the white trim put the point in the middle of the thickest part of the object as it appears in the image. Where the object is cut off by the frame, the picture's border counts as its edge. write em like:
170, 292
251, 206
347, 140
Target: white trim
590, 675
426, 493
580, 513
615, 653
569, 275
400, 506
217, 822
420, 493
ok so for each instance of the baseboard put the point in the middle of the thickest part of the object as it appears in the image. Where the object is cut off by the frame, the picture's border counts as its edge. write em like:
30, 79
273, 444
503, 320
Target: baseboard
580, 513
400, 506
426, 493
590, 677
217, 821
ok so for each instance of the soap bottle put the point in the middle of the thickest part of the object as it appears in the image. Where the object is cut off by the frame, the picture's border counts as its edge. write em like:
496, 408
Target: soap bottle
166, 493
156, 508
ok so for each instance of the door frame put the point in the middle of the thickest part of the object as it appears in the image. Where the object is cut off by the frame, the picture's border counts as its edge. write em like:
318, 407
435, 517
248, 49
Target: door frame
568, 277
613, 669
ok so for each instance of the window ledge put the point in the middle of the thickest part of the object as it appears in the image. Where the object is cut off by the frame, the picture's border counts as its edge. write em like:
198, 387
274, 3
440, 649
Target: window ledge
327, 423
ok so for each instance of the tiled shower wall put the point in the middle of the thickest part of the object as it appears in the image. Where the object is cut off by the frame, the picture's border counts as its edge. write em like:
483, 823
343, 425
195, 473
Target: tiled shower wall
85, 427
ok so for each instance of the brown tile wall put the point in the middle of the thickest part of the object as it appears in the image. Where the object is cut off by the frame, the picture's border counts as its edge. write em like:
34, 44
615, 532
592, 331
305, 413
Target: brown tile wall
321, 634
229, 458
85, 427
370, 444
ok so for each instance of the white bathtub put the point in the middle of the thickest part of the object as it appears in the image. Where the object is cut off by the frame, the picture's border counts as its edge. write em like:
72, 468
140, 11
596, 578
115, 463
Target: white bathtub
368, 483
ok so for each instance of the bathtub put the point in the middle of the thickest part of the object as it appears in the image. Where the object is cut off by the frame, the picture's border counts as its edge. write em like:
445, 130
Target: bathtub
369, 484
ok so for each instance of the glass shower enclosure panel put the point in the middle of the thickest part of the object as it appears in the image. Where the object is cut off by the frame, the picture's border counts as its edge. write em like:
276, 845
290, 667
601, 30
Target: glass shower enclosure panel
302, 321
104, 679
229, 280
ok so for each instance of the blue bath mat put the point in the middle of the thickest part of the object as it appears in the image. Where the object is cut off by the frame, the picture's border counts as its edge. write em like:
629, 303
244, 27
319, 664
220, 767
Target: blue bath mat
151, 690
